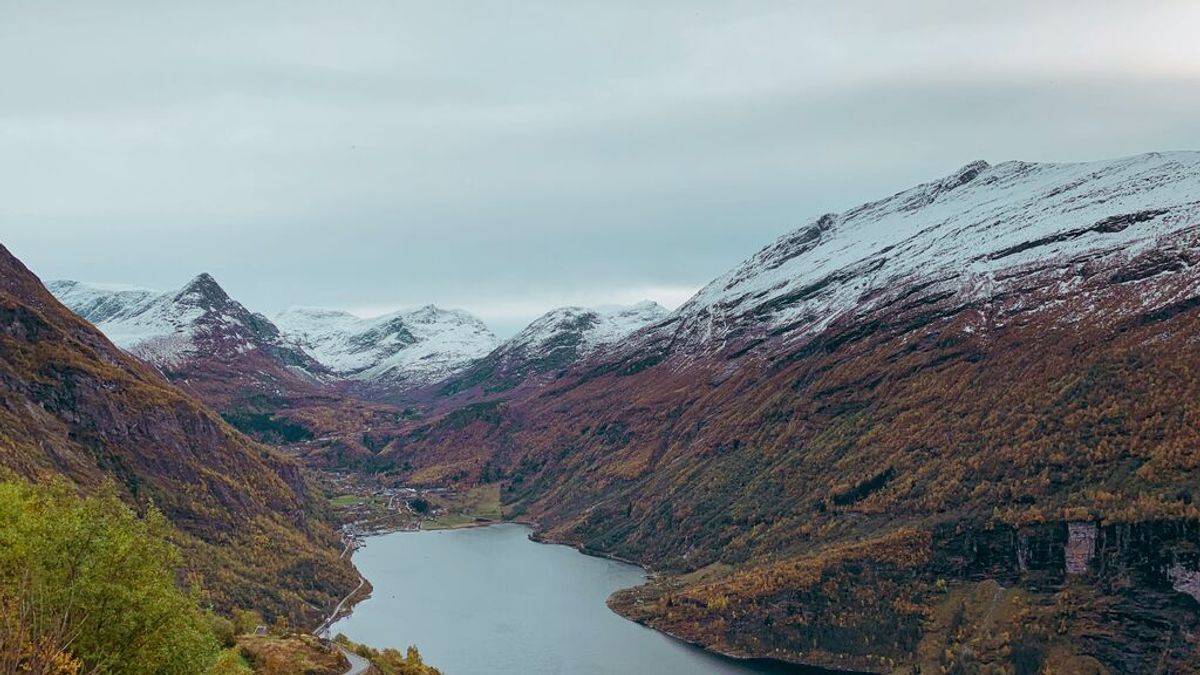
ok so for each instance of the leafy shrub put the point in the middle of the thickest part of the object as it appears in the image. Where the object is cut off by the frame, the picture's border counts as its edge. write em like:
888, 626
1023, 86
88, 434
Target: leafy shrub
100, 582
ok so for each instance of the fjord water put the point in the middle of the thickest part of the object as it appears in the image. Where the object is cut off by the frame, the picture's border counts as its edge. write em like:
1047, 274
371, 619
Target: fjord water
489, 600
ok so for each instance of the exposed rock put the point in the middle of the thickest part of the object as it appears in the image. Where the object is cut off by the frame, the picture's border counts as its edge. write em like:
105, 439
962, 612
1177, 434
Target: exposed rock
1185, 580
1081, 546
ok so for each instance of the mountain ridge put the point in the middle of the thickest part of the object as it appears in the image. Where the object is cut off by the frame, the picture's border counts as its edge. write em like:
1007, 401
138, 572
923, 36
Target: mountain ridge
200, 338
408, 347
550, 343
845, 263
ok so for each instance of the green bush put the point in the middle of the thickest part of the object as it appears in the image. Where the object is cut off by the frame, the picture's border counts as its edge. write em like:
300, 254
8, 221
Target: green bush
100, 582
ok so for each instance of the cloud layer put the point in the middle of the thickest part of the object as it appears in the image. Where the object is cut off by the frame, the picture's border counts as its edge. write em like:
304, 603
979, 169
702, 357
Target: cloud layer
508, 157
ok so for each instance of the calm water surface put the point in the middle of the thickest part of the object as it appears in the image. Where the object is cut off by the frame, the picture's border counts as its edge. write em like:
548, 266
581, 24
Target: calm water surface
488, 600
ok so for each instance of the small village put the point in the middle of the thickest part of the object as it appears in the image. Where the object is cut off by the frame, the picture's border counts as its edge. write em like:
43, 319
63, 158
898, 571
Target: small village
364, 506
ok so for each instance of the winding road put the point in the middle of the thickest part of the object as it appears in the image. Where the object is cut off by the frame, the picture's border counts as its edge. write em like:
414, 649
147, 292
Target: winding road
324, 627
358, 665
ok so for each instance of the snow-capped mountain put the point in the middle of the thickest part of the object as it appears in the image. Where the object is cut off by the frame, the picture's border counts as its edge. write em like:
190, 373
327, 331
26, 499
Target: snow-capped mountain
76, 407
409, 348
135, 319
199, 320
233, 359
578, 331
978, 233
556, 340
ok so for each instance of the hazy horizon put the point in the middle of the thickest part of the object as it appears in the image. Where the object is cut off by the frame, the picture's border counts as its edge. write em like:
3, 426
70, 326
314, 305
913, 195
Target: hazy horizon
502, 329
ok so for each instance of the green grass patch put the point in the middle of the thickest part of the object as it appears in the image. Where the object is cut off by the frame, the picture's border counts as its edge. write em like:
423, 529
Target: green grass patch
468, 508
345, 500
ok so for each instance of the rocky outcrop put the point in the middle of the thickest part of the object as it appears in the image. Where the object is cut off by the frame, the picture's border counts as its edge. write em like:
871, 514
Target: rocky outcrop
1081, 547
1185, 580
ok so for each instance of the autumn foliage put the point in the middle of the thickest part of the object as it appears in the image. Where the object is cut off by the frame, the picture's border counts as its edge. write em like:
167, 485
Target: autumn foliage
72, 404
1074, 396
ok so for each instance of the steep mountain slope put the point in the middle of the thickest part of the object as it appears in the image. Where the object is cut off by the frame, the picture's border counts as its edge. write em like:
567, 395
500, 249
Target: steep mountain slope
553, 342
73, 404
953, 428
403, 349
972, 235
200, 338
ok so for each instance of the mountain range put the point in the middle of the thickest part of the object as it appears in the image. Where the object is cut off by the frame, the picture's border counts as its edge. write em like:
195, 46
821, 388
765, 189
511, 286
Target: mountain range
405, 349
236, 359
316, 378
952, 428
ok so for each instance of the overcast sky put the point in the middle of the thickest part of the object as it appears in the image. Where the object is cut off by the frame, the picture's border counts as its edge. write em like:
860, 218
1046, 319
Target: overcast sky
508, 157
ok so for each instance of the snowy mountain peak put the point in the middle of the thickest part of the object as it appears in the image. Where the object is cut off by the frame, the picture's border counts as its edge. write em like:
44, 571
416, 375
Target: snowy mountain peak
199, 320
965, 175
409, 347
203, 289
584, 329
203, 282
961, 235
432, 314
555, 341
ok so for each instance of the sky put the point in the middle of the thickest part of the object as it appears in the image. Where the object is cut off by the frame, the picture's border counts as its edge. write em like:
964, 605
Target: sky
512, 156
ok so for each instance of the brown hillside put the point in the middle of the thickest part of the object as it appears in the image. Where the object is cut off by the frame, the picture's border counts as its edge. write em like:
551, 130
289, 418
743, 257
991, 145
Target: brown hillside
946, 435
73, 404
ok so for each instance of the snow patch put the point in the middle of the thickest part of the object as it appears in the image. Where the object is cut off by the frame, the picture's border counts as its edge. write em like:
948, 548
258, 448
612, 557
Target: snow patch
417, 346
964, 230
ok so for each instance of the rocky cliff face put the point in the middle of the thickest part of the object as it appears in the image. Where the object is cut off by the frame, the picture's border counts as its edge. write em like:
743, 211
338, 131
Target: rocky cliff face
72, 404
959, 598
1007, 346
1115, 588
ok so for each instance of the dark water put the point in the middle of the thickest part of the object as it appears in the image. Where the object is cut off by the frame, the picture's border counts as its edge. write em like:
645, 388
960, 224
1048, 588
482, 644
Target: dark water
489, 601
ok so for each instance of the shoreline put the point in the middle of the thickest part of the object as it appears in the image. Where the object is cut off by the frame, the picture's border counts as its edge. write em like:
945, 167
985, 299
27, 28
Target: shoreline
345, 607
540, 539
812, 669
345, 610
